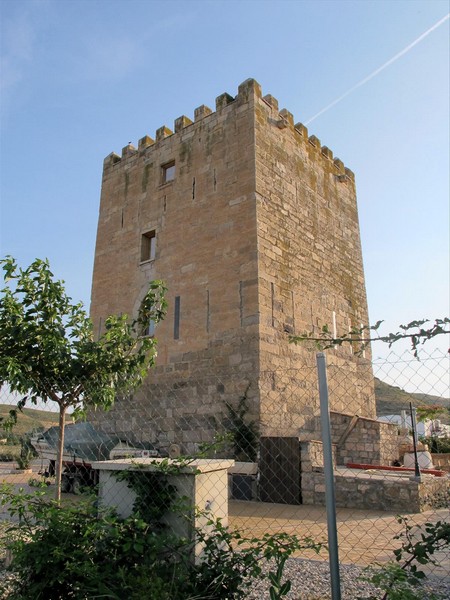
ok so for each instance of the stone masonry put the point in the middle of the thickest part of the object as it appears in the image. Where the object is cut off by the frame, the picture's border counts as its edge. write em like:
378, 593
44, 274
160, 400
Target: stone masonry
253, 226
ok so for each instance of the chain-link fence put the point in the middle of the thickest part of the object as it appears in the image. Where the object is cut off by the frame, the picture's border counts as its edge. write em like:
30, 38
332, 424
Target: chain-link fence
250, 452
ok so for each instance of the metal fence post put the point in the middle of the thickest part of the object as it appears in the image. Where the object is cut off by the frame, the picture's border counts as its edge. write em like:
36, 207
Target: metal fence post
330, 499
412, 410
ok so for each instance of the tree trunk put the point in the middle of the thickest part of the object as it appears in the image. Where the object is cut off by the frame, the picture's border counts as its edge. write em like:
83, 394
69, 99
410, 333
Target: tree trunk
60, 450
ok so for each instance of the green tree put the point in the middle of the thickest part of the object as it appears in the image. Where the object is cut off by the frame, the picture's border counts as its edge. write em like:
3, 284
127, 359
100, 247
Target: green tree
48, 350
431, 412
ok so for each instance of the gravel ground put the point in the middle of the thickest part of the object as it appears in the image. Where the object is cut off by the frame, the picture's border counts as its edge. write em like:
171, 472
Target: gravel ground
310, 580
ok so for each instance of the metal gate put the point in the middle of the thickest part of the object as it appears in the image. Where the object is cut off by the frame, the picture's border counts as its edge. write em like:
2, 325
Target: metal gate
280, 474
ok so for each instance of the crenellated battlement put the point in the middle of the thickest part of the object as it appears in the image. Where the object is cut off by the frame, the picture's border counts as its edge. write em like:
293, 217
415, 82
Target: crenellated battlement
284, 120
252, 223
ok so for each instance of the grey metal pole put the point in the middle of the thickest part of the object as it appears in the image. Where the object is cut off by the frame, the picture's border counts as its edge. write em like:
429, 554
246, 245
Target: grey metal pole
330, 498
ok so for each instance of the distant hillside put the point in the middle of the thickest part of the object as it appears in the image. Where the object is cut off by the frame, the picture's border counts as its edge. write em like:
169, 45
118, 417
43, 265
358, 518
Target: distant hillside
29, 419
391, 399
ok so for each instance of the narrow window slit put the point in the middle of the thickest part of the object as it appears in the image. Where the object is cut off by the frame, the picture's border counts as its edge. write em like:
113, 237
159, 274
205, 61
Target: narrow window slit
241, 303
272, 291
176, 319
293, 310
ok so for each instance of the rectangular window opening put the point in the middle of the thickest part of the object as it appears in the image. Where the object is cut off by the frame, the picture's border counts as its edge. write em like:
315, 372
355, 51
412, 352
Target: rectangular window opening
148, 246
168, 172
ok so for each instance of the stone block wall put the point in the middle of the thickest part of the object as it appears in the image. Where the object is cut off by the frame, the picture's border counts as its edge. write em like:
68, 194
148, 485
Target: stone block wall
441, 461
191, 192
253, 227
362, 440
379, 493
309, 266
312, 456
312, 472
369, 491
391, 494
186, 411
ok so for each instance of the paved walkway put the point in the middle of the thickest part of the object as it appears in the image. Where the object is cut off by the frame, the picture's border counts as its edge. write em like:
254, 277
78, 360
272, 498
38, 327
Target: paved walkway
364, 537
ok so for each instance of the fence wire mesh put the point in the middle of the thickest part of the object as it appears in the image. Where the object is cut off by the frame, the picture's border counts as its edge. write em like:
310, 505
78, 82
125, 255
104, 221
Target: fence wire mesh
250, 452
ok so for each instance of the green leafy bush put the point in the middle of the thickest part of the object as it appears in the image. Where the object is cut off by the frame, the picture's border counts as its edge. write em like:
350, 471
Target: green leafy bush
13, 439
71, 552
232, 562
437, 445
7, 455
244, 432
154, 495
78, 553
400, 580
27, 453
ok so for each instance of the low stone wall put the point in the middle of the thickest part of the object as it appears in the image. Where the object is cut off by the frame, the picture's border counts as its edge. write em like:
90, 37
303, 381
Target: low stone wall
441, 461
379, 493
363, 440
433, 493
373, 491
402, 494
312, 477
312, 456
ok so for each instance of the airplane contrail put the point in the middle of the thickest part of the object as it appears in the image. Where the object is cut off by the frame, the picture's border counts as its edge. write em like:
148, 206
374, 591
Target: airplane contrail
383, 66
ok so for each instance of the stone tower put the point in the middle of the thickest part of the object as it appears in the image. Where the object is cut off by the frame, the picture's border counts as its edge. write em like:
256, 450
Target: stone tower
253, 226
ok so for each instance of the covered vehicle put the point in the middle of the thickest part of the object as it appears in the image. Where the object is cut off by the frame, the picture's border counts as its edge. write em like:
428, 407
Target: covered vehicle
83, 444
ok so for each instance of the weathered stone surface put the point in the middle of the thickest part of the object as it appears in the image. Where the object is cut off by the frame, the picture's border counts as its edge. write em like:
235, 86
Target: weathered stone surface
257, 237
364, 440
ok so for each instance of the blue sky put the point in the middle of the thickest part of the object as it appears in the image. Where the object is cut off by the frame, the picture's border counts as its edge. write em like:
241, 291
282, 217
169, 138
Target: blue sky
82, 78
